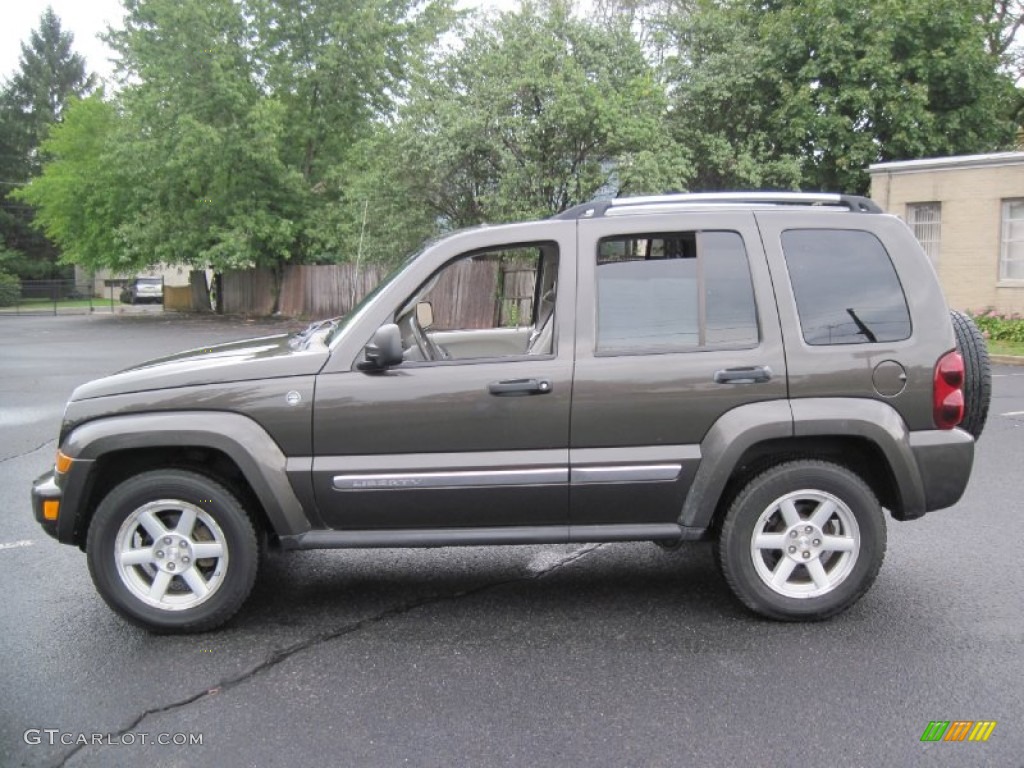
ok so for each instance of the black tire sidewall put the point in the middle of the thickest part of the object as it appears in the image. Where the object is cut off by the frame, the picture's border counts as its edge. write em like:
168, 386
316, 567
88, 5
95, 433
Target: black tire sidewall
970, 343
737, 530
215, 500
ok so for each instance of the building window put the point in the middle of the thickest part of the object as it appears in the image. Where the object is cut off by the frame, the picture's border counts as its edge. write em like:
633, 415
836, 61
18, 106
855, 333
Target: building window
1011, 257
926, 221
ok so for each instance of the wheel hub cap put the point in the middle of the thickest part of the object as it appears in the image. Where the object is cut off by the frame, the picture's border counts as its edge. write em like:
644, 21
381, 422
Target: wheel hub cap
175, 557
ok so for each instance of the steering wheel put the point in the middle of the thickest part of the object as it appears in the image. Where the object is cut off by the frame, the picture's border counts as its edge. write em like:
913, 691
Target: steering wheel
423, 343
430, 349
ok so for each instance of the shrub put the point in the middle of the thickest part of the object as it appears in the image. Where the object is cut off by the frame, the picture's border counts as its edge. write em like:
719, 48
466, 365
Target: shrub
1000, 327
10, 289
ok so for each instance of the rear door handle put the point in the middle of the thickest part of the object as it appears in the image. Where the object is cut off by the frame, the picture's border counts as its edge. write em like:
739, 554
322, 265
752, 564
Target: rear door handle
751, 375
518, 387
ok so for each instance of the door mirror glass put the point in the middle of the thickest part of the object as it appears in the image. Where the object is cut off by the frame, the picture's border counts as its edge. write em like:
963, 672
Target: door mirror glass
424, 315
384, 350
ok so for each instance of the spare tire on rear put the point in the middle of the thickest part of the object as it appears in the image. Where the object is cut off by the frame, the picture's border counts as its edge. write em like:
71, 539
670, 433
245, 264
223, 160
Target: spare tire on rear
977, 372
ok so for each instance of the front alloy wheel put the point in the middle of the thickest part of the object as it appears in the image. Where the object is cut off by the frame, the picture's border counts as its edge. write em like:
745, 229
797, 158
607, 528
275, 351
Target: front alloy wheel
172, 551
171, 554
802, 541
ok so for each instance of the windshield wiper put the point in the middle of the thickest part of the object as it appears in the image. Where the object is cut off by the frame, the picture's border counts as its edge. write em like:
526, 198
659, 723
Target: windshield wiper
306, 335
867, 332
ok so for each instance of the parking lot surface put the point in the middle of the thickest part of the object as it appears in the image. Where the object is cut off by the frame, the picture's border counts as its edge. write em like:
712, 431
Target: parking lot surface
610, 655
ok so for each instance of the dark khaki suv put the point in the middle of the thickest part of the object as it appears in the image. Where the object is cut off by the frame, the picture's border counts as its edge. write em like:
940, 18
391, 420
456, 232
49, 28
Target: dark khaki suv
770, 371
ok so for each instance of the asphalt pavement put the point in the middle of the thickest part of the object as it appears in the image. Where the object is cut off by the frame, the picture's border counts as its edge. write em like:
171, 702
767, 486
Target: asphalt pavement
595, 655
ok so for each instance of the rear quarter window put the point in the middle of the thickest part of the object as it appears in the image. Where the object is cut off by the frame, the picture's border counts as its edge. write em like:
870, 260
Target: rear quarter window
846, 288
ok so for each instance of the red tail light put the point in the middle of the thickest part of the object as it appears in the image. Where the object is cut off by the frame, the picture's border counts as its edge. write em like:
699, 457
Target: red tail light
948, 391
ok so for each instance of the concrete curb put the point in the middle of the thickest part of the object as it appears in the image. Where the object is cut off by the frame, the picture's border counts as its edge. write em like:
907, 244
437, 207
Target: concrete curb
1007, 359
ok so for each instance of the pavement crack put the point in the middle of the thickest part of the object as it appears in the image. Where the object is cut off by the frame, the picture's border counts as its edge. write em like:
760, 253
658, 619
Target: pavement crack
26, 453
283, 654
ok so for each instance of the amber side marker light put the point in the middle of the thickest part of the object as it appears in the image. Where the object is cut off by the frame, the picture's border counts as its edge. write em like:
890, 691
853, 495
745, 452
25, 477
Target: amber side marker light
51, 509
63, 462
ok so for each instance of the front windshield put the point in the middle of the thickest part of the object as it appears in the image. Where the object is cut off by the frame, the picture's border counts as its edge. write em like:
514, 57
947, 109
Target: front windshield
360, 307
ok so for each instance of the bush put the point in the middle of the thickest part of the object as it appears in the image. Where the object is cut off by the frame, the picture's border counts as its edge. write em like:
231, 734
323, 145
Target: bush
10, 290
999, 327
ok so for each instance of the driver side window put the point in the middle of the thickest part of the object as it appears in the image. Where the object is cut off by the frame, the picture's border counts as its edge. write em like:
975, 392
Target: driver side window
486, 304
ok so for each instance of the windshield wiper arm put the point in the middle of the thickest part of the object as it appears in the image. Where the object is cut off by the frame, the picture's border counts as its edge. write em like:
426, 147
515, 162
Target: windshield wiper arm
861, 327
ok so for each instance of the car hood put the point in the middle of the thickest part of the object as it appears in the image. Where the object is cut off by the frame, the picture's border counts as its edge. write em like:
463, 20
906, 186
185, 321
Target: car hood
262, 358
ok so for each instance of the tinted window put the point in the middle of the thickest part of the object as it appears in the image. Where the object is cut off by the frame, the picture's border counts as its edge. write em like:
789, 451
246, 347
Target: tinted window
846, 288
674, 292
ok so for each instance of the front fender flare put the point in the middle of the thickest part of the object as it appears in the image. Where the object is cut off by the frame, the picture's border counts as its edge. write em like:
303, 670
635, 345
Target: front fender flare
243, 440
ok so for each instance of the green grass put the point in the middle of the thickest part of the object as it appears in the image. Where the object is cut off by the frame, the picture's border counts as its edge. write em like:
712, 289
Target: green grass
42, 305
1005, 347
35, 303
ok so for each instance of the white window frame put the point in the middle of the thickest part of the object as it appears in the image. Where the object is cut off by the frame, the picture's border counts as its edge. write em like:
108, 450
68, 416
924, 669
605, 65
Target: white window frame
1010, 250
925, 219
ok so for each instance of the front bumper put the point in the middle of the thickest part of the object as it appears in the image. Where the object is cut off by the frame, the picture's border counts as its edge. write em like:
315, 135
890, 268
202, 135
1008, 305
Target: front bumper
68, 491
45, 489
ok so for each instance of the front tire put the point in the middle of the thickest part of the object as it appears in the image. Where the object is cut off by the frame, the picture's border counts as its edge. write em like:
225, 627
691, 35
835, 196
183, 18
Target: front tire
803, 541
172, 551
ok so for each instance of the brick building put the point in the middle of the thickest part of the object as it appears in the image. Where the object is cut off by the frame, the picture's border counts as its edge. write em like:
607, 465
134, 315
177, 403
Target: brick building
968, 213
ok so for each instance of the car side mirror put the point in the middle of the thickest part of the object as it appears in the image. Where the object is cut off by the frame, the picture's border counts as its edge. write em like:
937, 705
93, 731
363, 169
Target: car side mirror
424, 315
384, 350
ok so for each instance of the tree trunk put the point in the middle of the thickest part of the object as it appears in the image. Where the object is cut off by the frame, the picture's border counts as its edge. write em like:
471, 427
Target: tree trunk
218, 293
200, 291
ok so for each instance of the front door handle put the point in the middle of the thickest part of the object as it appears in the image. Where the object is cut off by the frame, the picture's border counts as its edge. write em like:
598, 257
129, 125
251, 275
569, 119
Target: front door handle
518, 387
754, 374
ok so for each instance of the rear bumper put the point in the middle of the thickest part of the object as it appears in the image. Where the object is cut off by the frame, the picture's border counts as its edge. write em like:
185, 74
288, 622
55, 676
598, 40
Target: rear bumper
944, 459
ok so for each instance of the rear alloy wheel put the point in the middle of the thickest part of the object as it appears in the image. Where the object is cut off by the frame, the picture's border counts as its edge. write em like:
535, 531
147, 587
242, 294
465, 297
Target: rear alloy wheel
172, 551
802, 541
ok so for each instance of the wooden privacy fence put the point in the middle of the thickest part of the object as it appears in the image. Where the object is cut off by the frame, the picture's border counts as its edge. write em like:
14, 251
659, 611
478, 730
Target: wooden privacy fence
309, 291
470, 294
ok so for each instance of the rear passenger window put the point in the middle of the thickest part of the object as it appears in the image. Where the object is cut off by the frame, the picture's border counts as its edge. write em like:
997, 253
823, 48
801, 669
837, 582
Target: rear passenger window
846, 288
672, 292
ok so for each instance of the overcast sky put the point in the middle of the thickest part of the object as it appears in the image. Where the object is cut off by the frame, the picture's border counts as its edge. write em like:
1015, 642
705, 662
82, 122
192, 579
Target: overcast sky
85, 19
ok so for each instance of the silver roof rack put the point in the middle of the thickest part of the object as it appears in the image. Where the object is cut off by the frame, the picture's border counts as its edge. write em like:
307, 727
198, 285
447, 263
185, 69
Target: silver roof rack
705, 200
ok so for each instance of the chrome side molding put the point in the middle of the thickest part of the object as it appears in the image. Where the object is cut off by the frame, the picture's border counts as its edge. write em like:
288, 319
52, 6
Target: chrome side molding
631, 473
395, 481
497, 478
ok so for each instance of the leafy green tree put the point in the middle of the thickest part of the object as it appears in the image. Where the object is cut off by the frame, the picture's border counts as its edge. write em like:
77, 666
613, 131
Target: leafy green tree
338, 69
81, 195
232, 128
811, 92
723, 99
537, 111
211, 186
49, 76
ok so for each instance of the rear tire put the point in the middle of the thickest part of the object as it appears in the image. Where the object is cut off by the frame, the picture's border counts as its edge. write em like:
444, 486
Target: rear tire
977, 372
802, 541
172, 551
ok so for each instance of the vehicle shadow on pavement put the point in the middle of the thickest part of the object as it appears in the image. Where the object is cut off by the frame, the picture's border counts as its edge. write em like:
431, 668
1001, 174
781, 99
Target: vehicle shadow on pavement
602, 585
